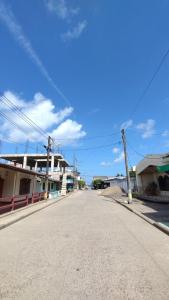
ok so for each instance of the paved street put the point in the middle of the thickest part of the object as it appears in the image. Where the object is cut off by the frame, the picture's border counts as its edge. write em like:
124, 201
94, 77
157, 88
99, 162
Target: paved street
84, 247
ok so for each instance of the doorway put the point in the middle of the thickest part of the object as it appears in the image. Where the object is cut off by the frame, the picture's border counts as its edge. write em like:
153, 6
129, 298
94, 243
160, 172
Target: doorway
1, 186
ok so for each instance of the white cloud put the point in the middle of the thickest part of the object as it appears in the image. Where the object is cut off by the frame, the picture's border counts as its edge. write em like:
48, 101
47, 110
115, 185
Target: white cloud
120, 158
61, 9
43, 112
127, 124
165, 133
75, 32
70, 130
106, 164
116, 150
8, 19
147, 128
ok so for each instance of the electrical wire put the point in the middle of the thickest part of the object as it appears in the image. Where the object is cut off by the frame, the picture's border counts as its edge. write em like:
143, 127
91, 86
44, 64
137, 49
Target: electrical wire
10, 121
97, 147
90, 137
7, 140
149, 84
16, 109
140, 154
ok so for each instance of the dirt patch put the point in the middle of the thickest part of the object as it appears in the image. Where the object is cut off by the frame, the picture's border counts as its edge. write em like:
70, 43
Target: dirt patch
111, 191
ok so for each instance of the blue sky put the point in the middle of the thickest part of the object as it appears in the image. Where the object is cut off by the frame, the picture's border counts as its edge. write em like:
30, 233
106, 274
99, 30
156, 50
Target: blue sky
77, 68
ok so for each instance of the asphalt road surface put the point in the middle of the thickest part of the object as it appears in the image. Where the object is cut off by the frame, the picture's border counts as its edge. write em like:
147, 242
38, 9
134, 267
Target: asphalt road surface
84, 247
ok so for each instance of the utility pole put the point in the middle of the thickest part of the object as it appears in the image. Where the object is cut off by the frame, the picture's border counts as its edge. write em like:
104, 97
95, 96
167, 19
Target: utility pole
126, 165
48, 149
75, 171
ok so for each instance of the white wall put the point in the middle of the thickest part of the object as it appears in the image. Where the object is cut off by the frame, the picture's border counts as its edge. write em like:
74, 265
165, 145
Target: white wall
8, 177
12, 181
143, 180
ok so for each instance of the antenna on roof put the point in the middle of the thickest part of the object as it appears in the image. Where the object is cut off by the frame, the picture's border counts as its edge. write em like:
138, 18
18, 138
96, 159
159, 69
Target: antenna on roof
26, 146
37, 148
16, 149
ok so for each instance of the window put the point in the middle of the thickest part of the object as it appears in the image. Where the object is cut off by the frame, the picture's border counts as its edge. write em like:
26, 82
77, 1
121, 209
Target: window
24, 186
52, 185
43, 187
1, 186
163, 183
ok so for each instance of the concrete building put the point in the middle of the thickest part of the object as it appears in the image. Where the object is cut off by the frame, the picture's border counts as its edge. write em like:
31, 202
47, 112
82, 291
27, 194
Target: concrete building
152, 174
100, 178
119, 180
116, 180
58, 169
18, 181
37, 162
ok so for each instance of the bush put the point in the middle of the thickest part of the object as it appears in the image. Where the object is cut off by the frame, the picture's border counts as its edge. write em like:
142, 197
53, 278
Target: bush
98, 184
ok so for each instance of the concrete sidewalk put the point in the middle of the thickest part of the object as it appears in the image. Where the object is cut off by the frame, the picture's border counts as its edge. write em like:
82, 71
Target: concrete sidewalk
19, 214
157, 214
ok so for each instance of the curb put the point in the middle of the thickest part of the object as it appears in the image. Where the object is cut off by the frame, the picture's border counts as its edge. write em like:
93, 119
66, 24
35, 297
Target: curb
30, 213
158, 225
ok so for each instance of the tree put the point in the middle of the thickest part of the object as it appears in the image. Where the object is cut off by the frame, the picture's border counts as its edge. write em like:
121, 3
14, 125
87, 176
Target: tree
81, 183
98, 184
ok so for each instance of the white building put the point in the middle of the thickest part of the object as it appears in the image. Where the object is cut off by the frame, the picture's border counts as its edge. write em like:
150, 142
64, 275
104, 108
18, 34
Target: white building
58, 169
15, 181
153, 171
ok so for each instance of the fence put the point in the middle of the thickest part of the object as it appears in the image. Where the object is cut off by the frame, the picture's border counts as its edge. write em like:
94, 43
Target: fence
8, 204
122, 183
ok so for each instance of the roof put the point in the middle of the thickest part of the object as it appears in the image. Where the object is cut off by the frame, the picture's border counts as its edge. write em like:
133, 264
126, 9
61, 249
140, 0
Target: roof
115, 178
100, 177
152, 162
33, 157
26, 171
13, 168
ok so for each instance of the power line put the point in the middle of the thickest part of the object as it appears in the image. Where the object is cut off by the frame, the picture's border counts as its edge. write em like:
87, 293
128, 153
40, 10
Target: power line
140, 154
97, 147
7, 140
149, 84
90, 137
134, 130
16, 109
10, 121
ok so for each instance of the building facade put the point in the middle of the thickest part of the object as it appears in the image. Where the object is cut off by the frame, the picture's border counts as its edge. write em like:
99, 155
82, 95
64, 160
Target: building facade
60, 177
152, 174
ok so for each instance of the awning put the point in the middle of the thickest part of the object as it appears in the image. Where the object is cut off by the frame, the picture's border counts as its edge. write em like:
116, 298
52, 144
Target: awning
163, 169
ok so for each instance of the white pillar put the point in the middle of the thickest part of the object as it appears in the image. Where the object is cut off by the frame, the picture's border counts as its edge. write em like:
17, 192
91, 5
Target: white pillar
58, 165
52, 163
36, 166
24, 162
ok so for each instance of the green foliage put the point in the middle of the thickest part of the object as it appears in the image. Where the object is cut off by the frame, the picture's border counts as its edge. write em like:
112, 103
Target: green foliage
132, 174
98, 184
81, 184
118, 175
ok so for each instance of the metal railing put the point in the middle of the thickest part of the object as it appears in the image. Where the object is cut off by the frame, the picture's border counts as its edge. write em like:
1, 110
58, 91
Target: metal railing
11, 203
